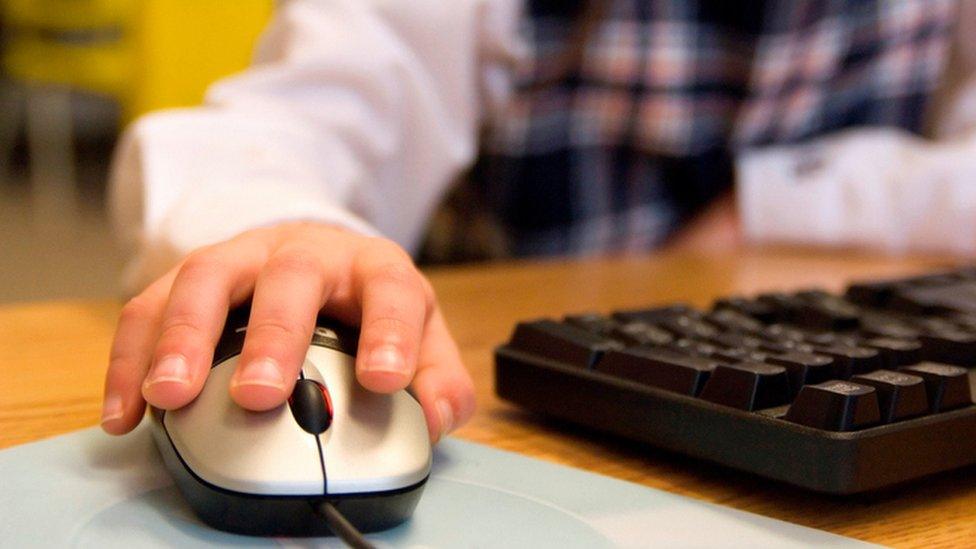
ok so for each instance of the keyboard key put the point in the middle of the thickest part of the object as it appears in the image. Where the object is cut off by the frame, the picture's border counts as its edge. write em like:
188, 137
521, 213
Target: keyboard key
870, 294
560, 342
781, 333
785, 346
803, 368
936, 324
747, 386
967, 321
693, 347
882, 325
730, 320
836, 406
947, 386
739, 354
815, 317
762, 312
654, 315
951, 347
592, 322
638, 333
822, 311
831, 338
785, 305
934, 298
687, 327
733, 340
896, 352
659, 368
900, 395
851, 360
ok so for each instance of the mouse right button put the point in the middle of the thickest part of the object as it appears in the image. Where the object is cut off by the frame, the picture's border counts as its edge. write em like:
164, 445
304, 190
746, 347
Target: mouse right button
377, 442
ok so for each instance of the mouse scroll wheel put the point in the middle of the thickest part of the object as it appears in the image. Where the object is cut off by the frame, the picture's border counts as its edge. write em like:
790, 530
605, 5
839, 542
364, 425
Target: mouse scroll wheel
311, 406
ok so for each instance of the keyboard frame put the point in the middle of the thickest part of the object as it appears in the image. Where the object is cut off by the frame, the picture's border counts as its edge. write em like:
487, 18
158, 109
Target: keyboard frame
873, 458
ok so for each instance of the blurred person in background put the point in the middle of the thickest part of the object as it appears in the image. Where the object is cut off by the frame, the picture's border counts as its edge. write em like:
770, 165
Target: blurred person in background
306, 183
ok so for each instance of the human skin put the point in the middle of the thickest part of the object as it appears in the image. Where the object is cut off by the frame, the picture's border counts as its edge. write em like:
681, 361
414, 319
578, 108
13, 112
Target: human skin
714, 230
165, 338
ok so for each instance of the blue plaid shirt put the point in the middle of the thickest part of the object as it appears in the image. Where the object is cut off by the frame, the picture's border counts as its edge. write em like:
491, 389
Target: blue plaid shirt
642, 133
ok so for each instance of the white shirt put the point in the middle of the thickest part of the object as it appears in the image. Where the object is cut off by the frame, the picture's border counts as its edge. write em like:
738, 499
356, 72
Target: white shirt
360, 113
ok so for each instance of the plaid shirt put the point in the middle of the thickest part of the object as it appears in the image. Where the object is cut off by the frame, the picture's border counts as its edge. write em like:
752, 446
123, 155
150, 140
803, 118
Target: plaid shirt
643, 132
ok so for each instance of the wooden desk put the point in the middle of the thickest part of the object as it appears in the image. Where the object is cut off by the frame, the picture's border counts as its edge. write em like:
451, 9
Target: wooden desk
52, 358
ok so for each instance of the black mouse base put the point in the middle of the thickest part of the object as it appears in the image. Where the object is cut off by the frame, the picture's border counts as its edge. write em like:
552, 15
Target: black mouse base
292, 516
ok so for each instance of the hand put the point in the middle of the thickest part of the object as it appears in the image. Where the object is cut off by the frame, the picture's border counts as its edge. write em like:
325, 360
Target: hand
164, 342
716, 229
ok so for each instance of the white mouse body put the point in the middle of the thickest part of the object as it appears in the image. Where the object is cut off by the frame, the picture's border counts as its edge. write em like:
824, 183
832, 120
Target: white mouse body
263, 472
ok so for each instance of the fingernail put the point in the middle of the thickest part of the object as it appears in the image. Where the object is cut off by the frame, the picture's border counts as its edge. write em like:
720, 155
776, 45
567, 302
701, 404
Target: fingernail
112, 408
263, 371
446, 414
386, 358
170, 368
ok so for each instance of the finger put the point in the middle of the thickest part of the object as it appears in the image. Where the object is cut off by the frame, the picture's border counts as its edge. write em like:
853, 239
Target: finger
288, 295
442, 384
395, 300
132, 346
207, 285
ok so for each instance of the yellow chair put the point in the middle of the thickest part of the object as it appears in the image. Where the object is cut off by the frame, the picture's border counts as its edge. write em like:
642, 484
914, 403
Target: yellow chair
146, 54
76, 44
143, 54
185, 45
66, 14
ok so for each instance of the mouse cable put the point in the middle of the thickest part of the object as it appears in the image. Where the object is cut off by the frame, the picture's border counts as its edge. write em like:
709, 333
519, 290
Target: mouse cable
342, 527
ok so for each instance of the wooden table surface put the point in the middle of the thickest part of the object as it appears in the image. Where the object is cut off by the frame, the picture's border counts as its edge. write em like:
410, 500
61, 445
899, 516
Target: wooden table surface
53, 357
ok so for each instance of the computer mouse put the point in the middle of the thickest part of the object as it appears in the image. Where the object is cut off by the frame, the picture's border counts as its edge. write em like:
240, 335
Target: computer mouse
266, 473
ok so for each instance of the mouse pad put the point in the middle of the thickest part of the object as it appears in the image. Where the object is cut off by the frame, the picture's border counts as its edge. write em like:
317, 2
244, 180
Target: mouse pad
87, 489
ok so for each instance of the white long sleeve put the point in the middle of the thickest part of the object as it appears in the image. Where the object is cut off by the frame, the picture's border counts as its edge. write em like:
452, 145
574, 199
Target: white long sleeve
361, 112
357, 113
876, 187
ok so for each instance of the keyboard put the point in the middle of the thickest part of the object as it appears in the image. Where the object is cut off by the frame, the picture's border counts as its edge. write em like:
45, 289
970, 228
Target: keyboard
839, 394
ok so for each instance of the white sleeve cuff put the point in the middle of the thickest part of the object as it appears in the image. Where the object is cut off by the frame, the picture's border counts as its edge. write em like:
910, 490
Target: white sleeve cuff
876, 188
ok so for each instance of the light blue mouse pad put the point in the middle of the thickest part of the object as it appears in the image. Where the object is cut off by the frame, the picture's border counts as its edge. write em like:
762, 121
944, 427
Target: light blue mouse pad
87, 489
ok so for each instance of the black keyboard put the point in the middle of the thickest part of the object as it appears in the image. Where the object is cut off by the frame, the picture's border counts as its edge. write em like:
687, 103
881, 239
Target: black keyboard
837, 394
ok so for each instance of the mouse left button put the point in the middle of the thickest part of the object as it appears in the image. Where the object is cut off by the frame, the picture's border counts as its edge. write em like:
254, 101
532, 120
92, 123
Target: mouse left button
262, 453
